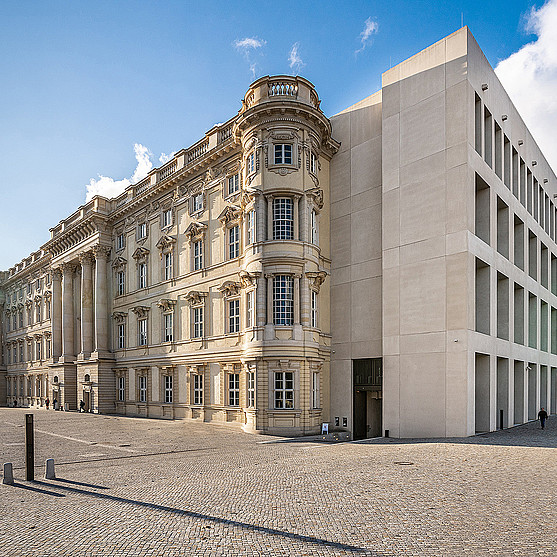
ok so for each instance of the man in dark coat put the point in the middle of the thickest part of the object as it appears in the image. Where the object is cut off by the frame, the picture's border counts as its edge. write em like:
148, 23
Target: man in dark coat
542, 415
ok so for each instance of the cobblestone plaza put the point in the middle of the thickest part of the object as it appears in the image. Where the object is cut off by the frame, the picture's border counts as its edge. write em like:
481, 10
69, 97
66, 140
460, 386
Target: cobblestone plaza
140, 487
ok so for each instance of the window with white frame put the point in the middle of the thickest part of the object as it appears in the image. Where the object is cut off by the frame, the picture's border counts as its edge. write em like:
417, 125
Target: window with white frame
314, 308
284, 389
233, 242
168, 389
251, 163
142, 331
142, 230
283, 218
233, 184
20, 313
142, 379
48, 349
121, 389
197, 329
314, 231
233, 389
38, 347
9, 354
14, 322
283, 300
167, 266
313, 163
234, 316
251, 389
315, 399
168, 334
38, 312
197, 248
198, 389
250, 308
197, 203
283, 153
120, 242
121, 282
142, 275
166, 218
21, 351
250, 227
121, 335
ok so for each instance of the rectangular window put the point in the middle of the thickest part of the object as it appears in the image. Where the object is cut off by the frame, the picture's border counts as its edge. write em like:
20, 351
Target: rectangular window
9, 355
167, 266
233, 184
121, 335
197, 255
283, 219
250, 308
142, 230
314, 309
316, 403
233, 242
21, 352
234, 316
284, 389
168, 389
283, 300
313, 163
251, 163
198, 389
142, 275
48, 350
197, 203
283, 153
142, 388
120, 242
250, 239
251, 390
121, 389
197, 331
14, 323
38, 350
21, 316
167, 218
168, 327
121, 281
314, 234
234, 389
142, 332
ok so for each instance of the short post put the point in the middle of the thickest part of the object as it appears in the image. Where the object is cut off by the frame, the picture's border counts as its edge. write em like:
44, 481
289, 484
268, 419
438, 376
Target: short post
29, 449
8, 478
49, 469
386, 433
501, 419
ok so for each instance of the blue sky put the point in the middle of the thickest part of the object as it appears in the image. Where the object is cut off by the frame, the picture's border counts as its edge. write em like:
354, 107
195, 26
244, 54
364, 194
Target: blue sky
83, 82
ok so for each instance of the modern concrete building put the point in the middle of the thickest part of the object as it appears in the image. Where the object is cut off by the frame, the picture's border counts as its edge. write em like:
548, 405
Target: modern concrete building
392, 268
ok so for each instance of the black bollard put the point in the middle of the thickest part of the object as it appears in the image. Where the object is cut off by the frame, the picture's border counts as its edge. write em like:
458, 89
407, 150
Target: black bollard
29, 449
501, 419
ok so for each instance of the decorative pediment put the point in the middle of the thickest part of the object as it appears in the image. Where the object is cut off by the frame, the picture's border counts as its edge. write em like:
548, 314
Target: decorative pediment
230, 288
38, 336
229, 214
166, 243
119, 316
248, 279
195, 298
195, 229
141, 311
316, 194
119, 262
250, 194
140, 253
37, 299
166, 304
316, 279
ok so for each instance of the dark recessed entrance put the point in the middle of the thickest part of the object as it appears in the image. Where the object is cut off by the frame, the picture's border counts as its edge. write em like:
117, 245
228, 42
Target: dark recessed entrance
367, 381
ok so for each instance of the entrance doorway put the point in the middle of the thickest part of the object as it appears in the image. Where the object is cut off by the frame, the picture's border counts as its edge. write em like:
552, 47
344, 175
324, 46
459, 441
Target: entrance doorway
87, 401
367, 403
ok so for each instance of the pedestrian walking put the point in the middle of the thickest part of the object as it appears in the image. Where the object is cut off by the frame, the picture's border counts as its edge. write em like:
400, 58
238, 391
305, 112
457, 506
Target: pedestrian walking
47, 403
81, 406
542, 415
55, 404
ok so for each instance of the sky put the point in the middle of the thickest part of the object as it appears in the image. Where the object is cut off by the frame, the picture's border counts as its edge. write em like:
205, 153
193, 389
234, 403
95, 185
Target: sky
95, 94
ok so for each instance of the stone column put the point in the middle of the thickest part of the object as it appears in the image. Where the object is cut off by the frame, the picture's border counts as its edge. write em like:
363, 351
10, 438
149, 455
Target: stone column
101, 311
269, 299
295, 216
68, 354
304, 221
56, 314
269, 217
86, 260
296, 299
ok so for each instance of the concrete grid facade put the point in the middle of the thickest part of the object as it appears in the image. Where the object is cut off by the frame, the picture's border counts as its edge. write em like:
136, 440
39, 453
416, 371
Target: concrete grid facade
392, 268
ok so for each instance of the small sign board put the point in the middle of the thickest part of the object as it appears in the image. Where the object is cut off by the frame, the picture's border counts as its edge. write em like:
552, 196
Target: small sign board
324, 428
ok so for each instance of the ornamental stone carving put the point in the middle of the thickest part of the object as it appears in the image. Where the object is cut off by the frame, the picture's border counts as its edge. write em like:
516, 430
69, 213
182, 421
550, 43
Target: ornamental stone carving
101, 251
316, 195
166, 243
196, 298
316, 279
166, 304
230, 288
119, 262
230, 214
248, 279
194, 230
140, 254
141, 311
119, 316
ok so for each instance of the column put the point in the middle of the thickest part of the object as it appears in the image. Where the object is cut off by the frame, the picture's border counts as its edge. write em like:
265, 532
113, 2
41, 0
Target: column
67, 312
86, 260
101, 312
296, 299
304, 224
56, 314
269, 299
269, 217
296, 231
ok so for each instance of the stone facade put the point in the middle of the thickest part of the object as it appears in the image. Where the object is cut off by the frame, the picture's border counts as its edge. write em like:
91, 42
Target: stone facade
392, 268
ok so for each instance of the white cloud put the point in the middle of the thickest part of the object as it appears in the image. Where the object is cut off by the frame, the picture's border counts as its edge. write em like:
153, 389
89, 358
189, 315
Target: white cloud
530, 78
164, 158
370, 28
296, 62
108, 187
249, 46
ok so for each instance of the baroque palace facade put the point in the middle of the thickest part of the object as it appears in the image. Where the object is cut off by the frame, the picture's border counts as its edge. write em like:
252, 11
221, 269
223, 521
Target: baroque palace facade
390, 270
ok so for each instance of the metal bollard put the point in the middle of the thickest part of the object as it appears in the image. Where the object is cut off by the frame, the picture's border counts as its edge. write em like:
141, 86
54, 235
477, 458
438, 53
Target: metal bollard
29, 448
49, 469
8, 478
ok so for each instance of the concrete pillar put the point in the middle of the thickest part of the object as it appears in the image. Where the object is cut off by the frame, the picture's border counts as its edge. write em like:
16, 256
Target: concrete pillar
8, 478
101, 312
68, 354
49, 469
56, 314
86, 260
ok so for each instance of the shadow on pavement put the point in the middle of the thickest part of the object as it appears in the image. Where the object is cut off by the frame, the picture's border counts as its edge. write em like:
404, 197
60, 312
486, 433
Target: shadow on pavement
38, 489
73, 482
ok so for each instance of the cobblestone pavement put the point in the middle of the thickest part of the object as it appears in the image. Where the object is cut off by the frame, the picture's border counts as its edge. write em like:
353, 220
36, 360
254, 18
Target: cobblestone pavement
139, 487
